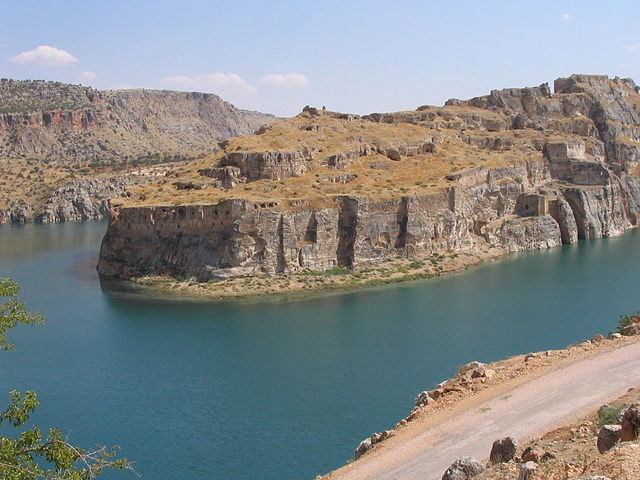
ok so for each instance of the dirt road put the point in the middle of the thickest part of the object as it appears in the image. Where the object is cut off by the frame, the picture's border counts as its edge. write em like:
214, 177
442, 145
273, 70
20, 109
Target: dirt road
525, 411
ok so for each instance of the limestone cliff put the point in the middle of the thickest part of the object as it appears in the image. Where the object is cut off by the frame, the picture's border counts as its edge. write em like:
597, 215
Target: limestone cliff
75, 123
518, 169
66, 150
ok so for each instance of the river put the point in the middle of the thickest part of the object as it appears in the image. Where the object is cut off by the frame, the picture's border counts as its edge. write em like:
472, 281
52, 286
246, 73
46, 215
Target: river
278, 389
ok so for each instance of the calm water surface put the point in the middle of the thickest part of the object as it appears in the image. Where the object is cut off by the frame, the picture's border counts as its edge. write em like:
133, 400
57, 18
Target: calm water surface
276, 389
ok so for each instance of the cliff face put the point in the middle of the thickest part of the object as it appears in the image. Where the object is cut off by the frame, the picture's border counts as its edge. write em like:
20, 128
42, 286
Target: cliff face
580, 184
52, 132
71, 122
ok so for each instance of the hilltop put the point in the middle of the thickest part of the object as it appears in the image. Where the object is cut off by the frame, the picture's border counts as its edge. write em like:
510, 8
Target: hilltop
516, 169
52, 134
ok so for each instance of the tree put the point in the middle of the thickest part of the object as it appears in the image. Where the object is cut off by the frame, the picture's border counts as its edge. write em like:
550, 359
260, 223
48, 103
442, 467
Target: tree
32, 455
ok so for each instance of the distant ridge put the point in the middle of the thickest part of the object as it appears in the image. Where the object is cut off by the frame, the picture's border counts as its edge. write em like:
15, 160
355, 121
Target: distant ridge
67, 122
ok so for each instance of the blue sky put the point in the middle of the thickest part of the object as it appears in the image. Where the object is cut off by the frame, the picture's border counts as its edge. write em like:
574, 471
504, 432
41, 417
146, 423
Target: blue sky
352, 55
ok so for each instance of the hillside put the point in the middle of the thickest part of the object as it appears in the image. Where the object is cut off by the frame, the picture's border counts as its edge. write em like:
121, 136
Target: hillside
52, 133
514, 170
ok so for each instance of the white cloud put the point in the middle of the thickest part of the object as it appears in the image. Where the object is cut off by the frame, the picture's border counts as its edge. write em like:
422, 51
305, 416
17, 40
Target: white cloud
88, 75
286, 80
218, 83
46, 56
632, 48
566, 16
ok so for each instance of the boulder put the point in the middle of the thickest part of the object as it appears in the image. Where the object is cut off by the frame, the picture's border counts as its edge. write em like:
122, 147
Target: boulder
368, 443
503, 450
488, 373
438, 392
531, 356
392, 154
532, 454
597, 338
630, 423
380, 437
464, 369
464, 468
483, 372
527, 470
422, 399
363, 447
608, 436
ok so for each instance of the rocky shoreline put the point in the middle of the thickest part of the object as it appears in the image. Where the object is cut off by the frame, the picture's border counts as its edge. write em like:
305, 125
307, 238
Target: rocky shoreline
318, 282
506, 458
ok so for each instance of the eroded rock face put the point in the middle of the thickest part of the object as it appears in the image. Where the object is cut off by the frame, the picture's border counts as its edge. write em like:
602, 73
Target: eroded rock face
86, 199
238, 237
51, 119
271, 165
583, 188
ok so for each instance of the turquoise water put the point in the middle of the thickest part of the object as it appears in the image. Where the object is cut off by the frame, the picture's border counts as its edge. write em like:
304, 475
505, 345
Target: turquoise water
277, 389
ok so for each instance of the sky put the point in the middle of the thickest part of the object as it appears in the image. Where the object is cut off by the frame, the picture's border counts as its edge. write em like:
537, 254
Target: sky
357, 56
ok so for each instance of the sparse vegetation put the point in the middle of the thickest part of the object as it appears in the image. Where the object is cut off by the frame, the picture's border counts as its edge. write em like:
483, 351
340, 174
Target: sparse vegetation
608, 415
626, 320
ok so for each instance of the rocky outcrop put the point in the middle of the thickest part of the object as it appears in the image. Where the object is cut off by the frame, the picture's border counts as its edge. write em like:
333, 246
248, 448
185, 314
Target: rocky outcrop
85, 199
271, 165
577, 187
71, 122
584, 105
238, 237
82, 130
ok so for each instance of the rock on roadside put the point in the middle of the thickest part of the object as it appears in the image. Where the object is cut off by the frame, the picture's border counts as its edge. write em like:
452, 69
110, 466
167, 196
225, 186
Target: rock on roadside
608, 436
503, 450
464, 468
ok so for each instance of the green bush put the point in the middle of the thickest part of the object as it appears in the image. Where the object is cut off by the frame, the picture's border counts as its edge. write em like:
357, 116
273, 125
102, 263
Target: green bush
626, 320
608, 415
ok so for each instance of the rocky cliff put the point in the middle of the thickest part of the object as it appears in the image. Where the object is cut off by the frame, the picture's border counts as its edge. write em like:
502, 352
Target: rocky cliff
517, 169
52, 133
75, 123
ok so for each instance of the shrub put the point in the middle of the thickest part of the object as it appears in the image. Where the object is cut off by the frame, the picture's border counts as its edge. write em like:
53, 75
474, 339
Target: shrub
626, 320
608, 415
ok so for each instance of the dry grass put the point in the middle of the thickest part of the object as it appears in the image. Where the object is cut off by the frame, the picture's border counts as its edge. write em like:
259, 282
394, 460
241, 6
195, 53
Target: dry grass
328, 135
34, 180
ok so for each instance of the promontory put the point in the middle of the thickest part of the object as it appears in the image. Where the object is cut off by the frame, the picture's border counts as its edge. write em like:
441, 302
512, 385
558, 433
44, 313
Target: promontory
389, 195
